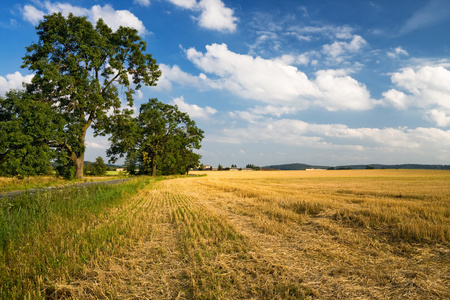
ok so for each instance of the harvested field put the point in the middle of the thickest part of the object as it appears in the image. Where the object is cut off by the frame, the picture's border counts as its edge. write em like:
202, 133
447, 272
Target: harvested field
372, 234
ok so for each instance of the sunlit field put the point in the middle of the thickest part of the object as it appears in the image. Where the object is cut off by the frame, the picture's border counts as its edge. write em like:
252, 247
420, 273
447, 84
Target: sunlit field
369, 234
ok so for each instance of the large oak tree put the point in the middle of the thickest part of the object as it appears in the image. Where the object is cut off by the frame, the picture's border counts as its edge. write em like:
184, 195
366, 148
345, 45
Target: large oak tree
79, 70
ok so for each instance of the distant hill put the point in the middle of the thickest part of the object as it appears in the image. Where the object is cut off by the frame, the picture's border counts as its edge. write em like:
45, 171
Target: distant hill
296, 166
300, 166
401, 166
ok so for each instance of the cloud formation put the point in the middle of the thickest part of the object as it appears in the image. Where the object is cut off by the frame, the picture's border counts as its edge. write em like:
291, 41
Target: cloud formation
425, 88
214, 14
13, 81
194, 111
339, 139
272, 81
113, 18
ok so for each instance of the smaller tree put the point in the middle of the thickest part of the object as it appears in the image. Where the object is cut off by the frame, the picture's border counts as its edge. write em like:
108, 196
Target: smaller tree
252, 166
220, 167
99, 167
161, 139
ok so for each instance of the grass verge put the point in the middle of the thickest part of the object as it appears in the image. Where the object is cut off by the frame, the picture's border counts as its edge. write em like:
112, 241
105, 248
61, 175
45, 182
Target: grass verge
51, 235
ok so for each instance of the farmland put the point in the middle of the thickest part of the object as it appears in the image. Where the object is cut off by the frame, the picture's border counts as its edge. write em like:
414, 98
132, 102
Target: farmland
368, 234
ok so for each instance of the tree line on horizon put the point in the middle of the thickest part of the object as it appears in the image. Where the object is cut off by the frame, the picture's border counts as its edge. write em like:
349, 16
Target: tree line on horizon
80, 71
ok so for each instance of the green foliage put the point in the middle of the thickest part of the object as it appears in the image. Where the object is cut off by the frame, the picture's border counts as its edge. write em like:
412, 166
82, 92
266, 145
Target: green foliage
160, 140
252, 166
78, 69
99, 167
67, 170
26, 132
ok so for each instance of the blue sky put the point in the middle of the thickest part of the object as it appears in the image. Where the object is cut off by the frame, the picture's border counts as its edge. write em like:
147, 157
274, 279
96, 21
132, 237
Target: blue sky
271, 82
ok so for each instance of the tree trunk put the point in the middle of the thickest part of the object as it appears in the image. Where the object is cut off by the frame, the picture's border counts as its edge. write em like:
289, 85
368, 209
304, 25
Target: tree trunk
79, 160
79, 163
153, 165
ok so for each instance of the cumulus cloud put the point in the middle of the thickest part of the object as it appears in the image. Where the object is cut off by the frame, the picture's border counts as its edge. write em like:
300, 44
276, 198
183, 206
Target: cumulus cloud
194, 111
396, 98
440, 118
113, 18
13, 81
339, 91
175, 74
252, 78
426, 88
214, 14
271, 81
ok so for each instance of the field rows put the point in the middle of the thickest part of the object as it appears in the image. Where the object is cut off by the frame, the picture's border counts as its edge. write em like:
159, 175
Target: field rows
259, 235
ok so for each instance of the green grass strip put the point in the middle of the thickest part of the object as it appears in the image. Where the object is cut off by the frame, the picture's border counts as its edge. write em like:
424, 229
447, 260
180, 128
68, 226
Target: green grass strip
51, 235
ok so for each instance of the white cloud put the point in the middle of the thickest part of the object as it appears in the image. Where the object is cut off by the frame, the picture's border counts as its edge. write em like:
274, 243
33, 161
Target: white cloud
273, 110
247, 116
64, 8
341, 92
253, 78
426, 88
397, 52
396, 98
214, 14
116, 18
275, 82
113, 18
339, 49
395, 144
175, 74
194, 111
13, 81
440, 118
94, 145
32, 14
142, 2
188, 4
338, 32
139, 94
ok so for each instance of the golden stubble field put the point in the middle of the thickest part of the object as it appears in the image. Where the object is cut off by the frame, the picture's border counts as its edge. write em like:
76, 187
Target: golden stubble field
369, 234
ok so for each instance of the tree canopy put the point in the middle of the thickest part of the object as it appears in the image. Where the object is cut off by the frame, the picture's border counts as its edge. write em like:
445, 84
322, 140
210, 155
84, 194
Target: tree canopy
161, 139
27, 129
77, 71
99, 167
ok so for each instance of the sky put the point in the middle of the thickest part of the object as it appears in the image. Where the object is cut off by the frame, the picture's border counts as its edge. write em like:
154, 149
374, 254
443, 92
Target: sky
272, 82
